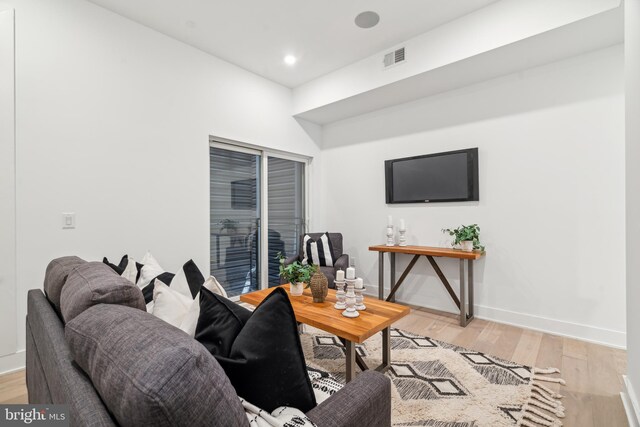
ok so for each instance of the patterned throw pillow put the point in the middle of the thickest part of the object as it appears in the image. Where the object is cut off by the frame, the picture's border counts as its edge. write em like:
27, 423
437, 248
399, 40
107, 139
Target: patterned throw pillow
318, 252
283, 416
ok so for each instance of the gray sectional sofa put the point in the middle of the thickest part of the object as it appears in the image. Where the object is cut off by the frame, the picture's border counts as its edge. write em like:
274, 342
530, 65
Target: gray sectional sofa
115, 364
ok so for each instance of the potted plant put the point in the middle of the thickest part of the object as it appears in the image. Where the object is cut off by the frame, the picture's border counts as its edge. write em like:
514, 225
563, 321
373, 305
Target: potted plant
467, 236
297, 274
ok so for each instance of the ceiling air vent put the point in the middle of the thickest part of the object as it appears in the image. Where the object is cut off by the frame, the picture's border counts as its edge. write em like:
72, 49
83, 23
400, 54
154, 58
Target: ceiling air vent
393, 58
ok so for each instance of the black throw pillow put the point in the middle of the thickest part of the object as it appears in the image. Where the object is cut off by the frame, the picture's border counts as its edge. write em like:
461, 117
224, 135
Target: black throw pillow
266, 364
120, 267
220, 322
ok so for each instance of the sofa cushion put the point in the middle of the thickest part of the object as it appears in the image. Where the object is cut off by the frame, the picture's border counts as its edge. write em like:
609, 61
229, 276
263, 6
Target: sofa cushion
149, 372
95, 283
56, 276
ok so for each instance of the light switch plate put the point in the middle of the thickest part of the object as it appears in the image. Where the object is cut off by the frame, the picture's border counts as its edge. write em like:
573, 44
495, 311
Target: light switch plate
68, 220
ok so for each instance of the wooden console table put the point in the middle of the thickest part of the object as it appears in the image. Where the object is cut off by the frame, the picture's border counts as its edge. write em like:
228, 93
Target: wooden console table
430, 253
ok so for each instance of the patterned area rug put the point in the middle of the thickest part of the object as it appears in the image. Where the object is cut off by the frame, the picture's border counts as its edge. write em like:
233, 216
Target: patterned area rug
442, 385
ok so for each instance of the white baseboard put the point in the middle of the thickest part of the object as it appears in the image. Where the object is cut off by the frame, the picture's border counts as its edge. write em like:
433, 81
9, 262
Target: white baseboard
630, 402
12, 362
582, 332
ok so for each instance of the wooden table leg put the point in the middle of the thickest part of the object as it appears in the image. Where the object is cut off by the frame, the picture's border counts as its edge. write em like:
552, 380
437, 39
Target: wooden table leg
351, 360
381, 276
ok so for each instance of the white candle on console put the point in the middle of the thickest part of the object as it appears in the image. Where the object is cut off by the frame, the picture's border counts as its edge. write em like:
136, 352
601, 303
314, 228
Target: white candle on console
359, 283
389, 221
351, 273
402, 226
340, 275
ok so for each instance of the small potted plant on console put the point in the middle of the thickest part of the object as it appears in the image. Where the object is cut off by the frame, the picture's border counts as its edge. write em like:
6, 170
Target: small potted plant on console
466, 236
297, 274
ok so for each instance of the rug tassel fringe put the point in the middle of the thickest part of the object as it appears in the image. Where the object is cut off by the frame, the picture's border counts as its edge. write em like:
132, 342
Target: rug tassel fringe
538, 417
552, 403
548, 391
558, 411
546, 371
542, 398
548, 379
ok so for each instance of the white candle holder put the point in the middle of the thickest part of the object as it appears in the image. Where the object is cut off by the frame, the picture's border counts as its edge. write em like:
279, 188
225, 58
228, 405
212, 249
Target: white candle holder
360, 299
351, 300
402, 238
340, 295
390, 239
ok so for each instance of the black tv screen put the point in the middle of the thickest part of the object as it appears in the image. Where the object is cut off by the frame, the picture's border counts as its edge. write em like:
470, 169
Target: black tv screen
442, 177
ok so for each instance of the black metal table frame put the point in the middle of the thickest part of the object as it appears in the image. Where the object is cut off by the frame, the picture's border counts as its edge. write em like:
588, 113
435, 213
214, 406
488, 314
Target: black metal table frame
465, 307
354, 358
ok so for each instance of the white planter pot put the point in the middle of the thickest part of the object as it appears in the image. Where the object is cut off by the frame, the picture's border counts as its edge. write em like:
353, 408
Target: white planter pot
467, 245
295, 289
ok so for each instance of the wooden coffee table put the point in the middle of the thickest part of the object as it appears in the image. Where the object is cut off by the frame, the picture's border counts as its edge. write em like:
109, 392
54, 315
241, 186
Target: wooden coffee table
378, 316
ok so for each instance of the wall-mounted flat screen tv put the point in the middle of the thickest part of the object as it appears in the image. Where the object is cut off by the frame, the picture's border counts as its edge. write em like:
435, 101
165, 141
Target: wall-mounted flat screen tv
442, 177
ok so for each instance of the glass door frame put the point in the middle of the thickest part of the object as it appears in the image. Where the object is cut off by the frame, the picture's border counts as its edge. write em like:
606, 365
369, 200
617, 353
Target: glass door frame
265, 153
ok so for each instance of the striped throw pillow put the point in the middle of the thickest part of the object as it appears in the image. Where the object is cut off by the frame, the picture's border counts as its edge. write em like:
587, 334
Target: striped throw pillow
318, 252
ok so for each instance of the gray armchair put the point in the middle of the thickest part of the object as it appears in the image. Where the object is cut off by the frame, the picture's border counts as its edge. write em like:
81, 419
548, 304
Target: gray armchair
341, 259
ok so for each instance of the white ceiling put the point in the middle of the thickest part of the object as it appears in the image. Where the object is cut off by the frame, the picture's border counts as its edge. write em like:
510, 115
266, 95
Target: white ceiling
257, 34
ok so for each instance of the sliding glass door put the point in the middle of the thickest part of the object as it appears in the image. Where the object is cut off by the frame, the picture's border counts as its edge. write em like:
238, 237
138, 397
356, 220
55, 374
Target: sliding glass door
257, 210
235, 219
286, 197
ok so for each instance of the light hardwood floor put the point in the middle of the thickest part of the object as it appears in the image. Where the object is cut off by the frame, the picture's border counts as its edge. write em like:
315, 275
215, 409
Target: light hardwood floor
593, 373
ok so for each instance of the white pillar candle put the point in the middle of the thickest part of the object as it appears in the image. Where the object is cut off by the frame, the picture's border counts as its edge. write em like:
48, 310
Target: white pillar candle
351, 273
359, 283
340, 275
389, 221
402, 225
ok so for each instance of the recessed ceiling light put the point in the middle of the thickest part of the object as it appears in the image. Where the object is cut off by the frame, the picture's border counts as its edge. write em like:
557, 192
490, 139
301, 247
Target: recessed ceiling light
290, 59
367, 19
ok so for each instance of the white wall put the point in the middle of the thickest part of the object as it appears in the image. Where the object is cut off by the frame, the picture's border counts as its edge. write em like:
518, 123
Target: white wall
113, 123
8, 336
551, 147
632, 74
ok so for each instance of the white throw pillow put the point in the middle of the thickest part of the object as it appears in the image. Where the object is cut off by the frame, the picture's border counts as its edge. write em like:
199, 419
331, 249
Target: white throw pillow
130, 271
150, 270
180, 284
214, 286
169, 305
190, 320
